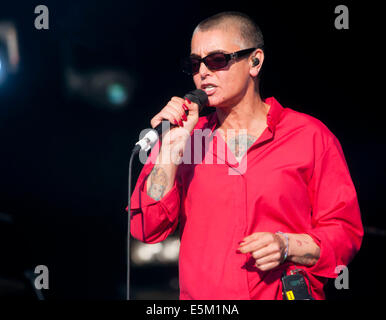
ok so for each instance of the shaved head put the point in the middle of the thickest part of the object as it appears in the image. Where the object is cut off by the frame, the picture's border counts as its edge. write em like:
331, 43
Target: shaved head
249, 32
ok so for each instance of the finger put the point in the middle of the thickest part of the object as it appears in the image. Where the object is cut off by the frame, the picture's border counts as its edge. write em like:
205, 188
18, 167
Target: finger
263, 252
274, 257
170, 116
252, 246
164, 115
253, 237
179, 109
177, 99
267, 266
255, 242
175, 114
188, 104
249, 239
191, 106
180, 104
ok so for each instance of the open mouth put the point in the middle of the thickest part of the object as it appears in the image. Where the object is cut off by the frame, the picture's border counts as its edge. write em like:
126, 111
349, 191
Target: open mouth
209, 88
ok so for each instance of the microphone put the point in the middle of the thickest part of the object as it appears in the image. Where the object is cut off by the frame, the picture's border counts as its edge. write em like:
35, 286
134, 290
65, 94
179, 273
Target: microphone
197, 96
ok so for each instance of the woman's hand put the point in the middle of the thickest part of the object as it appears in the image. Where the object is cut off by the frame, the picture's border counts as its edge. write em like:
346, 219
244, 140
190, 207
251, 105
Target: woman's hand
174, 140
174, 111
266, 248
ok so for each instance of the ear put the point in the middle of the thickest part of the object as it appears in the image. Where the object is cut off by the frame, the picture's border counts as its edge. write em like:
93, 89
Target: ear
256, 62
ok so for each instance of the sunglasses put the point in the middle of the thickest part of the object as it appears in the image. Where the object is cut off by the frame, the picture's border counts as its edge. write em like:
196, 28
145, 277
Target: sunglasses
214, 61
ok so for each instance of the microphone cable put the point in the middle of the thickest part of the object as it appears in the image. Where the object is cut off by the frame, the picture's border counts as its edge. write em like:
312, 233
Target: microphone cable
136, 150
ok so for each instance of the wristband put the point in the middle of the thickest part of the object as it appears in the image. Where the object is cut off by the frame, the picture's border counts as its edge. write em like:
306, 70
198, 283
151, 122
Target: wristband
286, 245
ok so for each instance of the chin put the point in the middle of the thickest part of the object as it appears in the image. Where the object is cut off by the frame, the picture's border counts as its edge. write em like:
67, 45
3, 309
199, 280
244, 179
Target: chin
215, 102
211, 102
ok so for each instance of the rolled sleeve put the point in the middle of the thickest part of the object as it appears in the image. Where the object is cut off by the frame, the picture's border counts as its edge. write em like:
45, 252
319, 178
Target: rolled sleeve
336, 221
169, 203
153, 220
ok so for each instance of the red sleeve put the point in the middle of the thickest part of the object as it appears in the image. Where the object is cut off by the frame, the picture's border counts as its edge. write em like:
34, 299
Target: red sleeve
336, 220
151, 220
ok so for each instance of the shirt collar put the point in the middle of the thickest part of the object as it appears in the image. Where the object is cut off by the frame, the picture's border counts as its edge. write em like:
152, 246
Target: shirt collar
274, 113
273, 116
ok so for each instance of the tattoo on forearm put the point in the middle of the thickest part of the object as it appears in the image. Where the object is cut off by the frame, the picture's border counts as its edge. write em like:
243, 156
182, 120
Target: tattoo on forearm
240, 144
158, 183
308, 259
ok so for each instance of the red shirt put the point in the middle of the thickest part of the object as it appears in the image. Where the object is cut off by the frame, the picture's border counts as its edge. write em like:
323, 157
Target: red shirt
293, 179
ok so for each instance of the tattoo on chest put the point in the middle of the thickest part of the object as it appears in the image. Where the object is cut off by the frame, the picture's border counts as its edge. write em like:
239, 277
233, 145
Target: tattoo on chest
158, 182
239, 144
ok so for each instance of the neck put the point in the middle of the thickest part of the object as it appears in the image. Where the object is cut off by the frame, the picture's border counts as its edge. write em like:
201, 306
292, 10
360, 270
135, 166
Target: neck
249, 113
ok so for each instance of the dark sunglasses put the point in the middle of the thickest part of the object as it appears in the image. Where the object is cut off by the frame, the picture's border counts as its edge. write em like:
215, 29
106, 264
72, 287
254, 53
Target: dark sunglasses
214, 61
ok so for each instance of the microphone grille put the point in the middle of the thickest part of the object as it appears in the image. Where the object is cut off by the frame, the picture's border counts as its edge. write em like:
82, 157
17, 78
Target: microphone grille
198, 96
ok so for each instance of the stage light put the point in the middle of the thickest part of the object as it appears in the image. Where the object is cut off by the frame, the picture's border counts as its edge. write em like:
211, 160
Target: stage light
166, 252
170, 251
9, 51
104, 88
3, 72
144, 253
117, 94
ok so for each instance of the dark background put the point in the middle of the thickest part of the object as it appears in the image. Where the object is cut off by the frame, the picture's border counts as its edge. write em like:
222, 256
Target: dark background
64, 161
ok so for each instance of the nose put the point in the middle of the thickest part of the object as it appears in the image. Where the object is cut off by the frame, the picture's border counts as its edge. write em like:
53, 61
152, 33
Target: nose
203, 71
